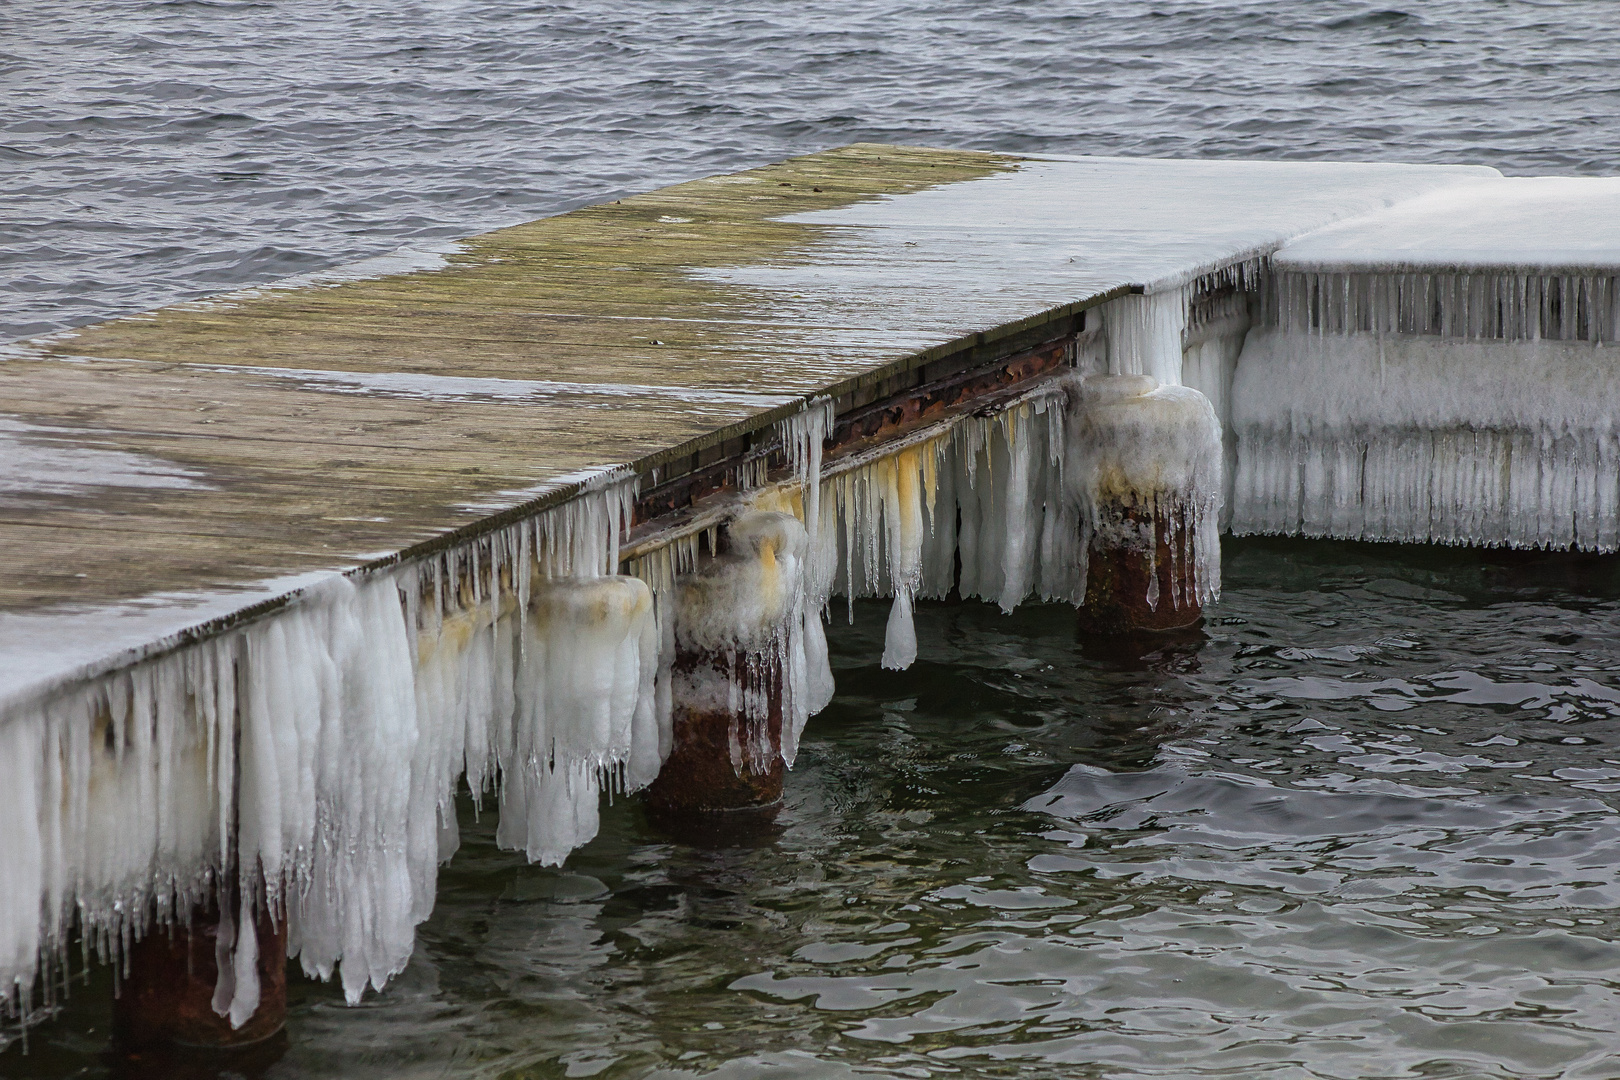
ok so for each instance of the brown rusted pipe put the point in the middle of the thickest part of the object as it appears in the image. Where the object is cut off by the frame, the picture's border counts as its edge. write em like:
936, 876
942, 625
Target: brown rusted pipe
167, 997
1119, 581
715, 761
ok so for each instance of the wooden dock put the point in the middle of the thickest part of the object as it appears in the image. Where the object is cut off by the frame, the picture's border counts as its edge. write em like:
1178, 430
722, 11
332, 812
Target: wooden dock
287, 567
174, 472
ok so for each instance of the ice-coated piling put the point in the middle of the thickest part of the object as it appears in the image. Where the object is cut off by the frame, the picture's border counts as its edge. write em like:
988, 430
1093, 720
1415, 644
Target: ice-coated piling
739, 675
1143, 470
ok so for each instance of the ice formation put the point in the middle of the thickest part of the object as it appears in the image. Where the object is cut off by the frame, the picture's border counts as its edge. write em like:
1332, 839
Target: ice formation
1398, 401
332, 734
1145, 333
45, 461
1003, 507
878, 516
1047, 231
311, 756
1521, 225
1466, 408
1418, 374
1180, 334
1426, 438
805, 435
1440, 371
894, 522
1489, 305
1144, 471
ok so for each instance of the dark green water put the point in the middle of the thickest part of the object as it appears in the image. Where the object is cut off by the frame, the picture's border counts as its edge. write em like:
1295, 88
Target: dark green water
1362, 828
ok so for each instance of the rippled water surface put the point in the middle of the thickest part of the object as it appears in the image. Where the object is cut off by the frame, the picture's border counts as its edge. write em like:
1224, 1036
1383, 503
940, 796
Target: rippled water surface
1363, 826
154, 149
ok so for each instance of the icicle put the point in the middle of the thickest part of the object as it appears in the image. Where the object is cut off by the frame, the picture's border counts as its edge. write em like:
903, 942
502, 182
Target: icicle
1503, 305
801, 438
1145, 333
805, 434
1467, 441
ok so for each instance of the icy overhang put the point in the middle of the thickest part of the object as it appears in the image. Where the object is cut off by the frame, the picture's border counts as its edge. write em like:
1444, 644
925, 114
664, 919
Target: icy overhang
1546, 225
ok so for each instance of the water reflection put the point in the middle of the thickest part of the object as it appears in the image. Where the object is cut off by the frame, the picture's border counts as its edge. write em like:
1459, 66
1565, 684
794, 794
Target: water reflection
255, 1062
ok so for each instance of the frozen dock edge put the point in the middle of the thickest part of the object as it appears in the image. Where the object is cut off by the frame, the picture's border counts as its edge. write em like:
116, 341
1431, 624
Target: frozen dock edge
348, 421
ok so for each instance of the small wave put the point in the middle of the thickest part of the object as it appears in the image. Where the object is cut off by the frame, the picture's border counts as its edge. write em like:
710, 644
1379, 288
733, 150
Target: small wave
1387, 17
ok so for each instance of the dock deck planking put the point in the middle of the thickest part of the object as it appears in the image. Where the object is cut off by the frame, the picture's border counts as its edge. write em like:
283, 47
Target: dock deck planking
322, 424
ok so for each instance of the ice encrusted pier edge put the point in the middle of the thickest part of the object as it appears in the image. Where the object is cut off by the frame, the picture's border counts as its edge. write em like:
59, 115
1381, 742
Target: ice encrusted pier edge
1442, 371
336, 818
312, 753
941, 293
307, 749
310, 756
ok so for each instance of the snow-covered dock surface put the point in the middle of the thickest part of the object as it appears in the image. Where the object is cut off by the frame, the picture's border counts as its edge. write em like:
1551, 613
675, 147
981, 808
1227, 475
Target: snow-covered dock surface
1542, 224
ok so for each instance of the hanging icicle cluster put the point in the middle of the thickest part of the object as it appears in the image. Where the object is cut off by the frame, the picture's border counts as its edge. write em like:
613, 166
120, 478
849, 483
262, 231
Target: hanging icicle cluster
314, 754
1431, 407
113, 795
1500, 306
1421, 439
1004, 507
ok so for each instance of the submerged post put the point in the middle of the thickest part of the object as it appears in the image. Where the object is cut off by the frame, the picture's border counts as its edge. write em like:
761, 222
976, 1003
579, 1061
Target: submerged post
173, 995
1144, 467
732, 678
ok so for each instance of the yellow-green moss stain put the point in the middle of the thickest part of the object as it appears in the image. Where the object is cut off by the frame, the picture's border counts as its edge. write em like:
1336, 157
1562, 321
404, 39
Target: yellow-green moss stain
291, 473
